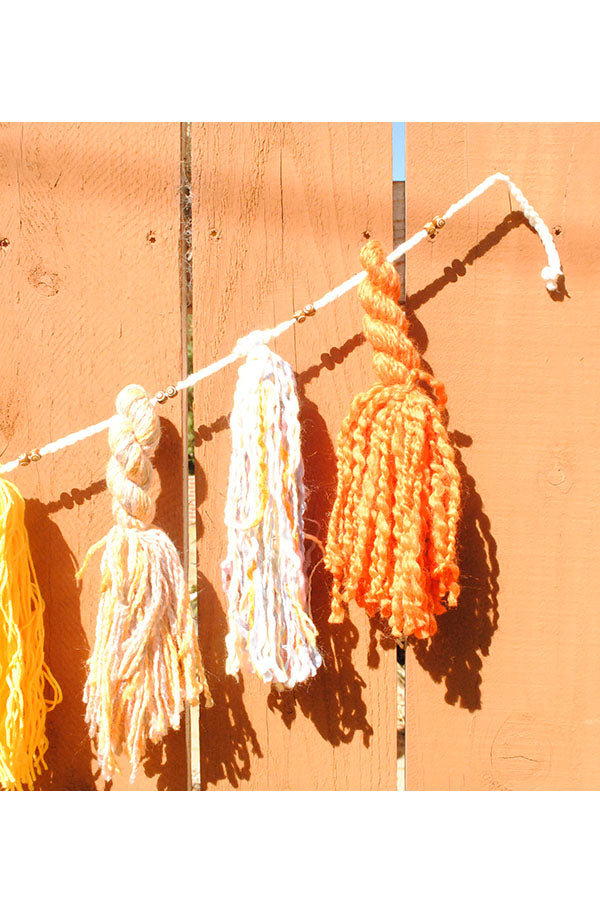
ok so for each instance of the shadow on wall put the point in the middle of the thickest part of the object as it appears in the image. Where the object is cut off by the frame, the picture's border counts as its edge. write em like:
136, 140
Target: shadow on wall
458, 269
464, 636
227, 738
332, 700
168, 758
455, 654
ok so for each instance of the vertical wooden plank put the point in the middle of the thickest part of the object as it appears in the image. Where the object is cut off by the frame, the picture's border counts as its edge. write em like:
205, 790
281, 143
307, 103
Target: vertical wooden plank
280, 213
89, 280
399, 192
399, 238
506, 696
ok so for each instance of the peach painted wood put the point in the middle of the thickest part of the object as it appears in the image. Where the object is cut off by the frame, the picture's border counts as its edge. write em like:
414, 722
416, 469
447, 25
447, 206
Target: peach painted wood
90, 299
280, 213
507, 697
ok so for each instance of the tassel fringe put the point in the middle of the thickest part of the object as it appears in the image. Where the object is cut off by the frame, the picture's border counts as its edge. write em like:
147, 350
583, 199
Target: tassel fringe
263, 575
24, 675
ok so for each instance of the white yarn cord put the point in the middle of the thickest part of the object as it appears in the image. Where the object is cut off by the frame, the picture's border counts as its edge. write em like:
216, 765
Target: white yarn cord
270, 630
550, 273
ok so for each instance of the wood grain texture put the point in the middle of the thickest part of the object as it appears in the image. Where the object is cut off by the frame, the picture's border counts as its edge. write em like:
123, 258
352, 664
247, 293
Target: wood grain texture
280, 213
89, 281
506, 696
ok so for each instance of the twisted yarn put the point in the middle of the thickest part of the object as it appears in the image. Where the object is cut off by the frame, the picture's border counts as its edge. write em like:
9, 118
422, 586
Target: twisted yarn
146, 663
551, 272
391, 543
263, 573
24, 674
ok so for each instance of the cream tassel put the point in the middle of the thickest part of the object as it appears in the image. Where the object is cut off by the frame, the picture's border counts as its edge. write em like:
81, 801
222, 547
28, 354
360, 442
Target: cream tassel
146, 663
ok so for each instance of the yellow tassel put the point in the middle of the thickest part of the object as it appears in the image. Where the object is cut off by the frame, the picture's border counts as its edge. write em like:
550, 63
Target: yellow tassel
23, 672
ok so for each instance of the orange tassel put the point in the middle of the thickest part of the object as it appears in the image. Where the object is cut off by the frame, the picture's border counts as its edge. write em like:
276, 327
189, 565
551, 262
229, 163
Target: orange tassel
391, 544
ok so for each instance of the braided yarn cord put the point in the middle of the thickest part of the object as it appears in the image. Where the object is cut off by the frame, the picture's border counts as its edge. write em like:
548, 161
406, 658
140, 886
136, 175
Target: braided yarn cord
146, 663
391, 543
263, 574
24, 674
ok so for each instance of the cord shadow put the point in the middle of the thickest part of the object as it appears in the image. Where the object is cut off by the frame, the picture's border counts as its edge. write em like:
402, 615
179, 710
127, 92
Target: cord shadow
454, 655
458, 269
336, 355
329, 361
206, 433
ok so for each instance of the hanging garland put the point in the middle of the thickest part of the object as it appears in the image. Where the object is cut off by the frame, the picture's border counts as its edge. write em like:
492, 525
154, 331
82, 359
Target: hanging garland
391, 543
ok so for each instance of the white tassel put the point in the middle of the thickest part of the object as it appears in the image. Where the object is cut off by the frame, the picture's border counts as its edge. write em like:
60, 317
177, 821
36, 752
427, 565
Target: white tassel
263, 574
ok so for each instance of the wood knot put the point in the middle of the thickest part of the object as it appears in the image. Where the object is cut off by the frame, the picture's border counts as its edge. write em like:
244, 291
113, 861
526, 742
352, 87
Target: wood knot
47, 283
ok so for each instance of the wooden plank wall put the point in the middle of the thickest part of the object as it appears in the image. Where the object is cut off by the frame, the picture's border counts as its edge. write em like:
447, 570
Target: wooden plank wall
90, 298
506, 696
280, 213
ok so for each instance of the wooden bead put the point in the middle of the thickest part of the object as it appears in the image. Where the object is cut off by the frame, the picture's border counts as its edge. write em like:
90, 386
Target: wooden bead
35, 456
24, 459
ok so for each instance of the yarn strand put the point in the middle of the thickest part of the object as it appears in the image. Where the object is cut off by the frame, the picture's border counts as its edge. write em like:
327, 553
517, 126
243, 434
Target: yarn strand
24, 674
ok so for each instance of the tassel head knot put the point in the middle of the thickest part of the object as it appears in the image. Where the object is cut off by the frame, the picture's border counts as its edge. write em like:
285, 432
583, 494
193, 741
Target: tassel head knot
133, 437
395, 359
